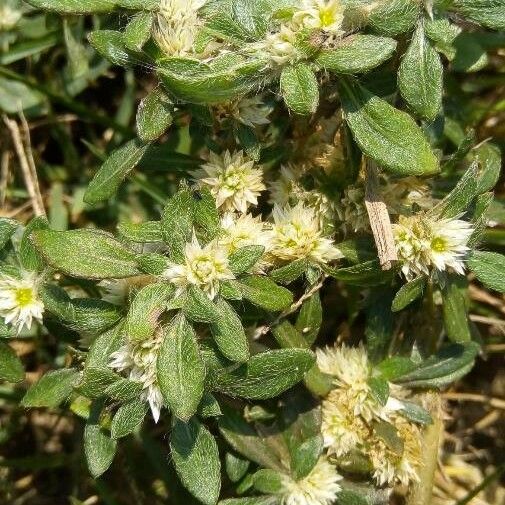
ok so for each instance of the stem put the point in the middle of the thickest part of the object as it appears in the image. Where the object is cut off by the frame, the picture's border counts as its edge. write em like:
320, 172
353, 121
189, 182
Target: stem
422, 491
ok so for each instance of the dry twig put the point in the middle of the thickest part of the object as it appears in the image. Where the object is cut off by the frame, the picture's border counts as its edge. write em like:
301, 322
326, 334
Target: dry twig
27, 166
379, 218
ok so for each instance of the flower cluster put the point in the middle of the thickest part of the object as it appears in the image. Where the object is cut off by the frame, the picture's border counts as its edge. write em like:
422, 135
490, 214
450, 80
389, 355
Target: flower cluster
424, 243
350, 410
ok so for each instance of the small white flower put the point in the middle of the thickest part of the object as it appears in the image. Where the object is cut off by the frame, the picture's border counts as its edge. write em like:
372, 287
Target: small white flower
296, 234
319, 487
286, 189
204, 267
327, 15
242, 230
252, 111
351, 210
19, 300
279, 46
139, 360
176, 26
233, 180
115, 290
423, 243
10, 14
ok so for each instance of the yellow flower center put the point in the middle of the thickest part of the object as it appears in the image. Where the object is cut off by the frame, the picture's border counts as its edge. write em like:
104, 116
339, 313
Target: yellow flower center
327, 16
438, 244
24, 296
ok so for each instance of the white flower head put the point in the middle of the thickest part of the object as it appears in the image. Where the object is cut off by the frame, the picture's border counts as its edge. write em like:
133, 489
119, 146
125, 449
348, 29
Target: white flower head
241, 230
19, 300
296, 234
204, 267
351, 370
423, 243
279, 46
176, 26
327, 15
319, 487
138, 359
286, 189
342, 430
233, 180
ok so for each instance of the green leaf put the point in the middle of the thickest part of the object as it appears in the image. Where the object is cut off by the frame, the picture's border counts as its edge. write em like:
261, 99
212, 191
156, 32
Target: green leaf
236, 467
176, 223
310, 318
379, 322
444, 367
196, 82
127, 418
99, 448
244, 439
488, 156
115, 168
389, 435
95, 380
454, 308
299, 89
379, 389
387, 135
460, 198
154, 115
415, 413
196, 459
470, 55
123, 390
11, 368
205, 215
229, 333
145, 310
110, 44
90, 254
243, 259
409, 292
265, 375
153, 263
290, 272
53, 388
181, 371
252, 500
149, 231
268, 481
138, 31
7, 228
367, 274
264, 293
198, 307
420, 76
489, 268
489, 13
28, 255
74, 6
356, 54
305, 456
392, 17
104, 345
209, 406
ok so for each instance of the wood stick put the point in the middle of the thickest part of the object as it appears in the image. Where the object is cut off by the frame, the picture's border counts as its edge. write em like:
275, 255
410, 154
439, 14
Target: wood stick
379, 218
